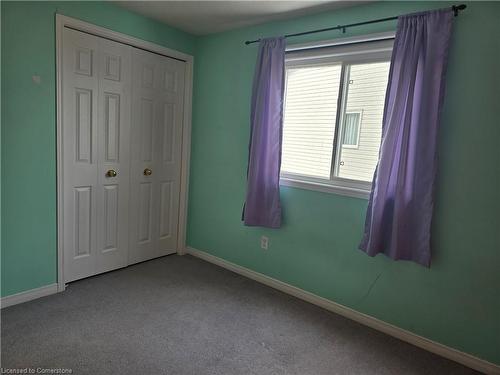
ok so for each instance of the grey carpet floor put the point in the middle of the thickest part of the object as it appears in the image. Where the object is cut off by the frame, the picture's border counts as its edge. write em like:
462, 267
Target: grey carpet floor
181, 315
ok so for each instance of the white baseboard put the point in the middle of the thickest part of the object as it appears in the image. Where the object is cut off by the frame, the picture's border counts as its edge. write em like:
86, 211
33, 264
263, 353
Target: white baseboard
389, 329
28, 295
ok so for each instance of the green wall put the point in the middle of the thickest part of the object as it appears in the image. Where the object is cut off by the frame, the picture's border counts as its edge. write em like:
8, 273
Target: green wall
29, 128
457, 301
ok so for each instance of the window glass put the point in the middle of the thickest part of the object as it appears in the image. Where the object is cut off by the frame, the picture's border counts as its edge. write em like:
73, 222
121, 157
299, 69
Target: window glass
364, 98
333, 109
309, 119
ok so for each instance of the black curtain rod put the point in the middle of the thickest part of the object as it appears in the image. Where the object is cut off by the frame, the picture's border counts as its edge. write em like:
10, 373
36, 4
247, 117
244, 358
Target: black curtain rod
454, 8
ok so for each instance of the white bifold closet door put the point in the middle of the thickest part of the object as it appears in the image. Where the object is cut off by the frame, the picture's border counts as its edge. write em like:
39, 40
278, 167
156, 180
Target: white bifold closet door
96, 154
157, 115
121, 154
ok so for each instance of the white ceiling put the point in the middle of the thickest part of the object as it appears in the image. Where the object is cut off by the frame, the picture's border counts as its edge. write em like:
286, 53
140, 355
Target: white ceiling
207, 17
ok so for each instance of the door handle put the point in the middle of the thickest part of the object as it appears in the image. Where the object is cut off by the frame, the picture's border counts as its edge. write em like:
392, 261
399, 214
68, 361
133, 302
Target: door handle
148, 172
111, 173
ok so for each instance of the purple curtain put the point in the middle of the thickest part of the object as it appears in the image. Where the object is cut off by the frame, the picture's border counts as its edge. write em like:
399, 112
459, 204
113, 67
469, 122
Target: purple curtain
262, 206
398, 220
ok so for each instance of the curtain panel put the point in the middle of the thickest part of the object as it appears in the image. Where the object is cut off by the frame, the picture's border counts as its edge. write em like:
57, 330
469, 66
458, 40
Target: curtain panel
262, 205
399, 215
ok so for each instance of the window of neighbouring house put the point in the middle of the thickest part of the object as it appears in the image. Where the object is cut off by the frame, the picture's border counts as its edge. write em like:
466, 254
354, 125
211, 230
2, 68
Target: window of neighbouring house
333, 108
351, 129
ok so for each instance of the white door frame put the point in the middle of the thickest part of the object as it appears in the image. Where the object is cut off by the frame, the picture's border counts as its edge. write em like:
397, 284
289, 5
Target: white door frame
64, 21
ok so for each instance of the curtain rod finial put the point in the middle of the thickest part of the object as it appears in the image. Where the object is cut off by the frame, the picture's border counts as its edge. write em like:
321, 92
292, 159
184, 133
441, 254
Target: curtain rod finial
252, 41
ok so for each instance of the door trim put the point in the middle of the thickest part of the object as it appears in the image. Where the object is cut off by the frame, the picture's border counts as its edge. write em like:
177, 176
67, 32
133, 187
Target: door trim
73, 23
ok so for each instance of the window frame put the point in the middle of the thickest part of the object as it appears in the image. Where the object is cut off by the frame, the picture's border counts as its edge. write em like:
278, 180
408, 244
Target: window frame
306, 55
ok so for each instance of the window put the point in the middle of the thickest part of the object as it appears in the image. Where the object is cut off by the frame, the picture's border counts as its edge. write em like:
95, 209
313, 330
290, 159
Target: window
351, 129
332, 126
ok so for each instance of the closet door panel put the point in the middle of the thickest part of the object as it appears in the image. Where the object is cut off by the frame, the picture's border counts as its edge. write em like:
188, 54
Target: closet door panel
158, 89
80, 153
114, 150
96, 154
171, 94
143, 233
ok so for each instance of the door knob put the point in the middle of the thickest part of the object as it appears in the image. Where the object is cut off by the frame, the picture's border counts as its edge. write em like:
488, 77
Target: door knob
148, 172
111, 173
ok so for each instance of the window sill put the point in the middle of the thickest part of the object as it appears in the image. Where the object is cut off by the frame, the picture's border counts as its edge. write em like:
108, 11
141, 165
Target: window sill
325, 187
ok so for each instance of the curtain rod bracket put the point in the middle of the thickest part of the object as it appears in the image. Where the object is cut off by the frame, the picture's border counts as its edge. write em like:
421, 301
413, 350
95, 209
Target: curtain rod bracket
456, 8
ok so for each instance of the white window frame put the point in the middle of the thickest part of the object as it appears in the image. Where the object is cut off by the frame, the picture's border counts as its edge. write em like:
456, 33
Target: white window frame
303, 57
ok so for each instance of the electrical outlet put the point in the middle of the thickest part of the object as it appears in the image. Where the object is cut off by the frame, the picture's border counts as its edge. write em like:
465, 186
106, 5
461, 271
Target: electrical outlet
264, 242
